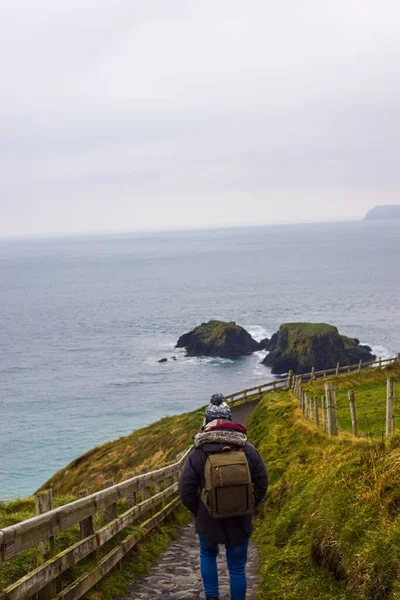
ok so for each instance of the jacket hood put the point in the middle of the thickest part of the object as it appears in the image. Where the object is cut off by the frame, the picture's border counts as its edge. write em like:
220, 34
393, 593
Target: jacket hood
222, 424
222, 436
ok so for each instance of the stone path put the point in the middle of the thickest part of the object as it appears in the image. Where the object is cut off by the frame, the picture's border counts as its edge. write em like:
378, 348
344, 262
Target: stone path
177, 575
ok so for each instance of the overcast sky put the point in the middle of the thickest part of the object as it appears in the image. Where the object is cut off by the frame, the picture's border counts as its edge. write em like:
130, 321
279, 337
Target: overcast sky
124, 115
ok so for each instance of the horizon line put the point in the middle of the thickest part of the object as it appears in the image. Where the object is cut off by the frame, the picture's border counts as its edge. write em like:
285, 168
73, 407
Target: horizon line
144, 231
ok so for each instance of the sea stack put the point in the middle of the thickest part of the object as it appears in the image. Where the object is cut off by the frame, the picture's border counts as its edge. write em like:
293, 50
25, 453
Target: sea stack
301, 346
218, 338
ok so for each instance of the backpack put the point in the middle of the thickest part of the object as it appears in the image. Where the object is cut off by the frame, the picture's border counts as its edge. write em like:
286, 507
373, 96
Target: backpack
228, 491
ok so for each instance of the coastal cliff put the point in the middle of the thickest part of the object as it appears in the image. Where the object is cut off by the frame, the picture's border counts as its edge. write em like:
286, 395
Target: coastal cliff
384, 212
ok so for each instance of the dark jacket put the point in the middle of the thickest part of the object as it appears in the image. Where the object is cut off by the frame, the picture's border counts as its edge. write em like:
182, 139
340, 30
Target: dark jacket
232, 531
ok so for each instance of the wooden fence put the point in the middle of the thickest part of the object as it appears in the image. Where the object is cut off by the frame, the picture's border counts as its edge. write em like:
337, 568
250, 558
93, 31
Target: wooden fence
41, 529
288, 382
142, 497
324, 411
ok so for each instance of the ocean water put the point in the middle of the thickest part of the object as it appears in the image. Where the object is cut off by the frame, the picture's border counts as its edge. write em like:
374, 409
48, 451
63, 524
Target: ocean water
84, 320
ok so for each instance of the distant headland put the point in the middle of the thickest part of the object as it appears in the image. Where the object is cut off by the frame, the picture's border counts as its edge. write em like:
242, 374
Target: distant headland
383, 212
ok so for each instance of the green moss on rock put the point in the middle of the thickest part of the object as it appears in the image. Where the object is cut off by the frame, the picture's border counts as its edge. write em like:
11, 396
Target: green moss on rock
301, 346
218, 338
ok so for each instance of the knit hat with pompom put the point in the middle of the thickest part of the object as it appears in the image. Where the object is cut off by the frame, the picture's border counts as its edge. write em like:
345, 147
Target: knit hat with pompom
217, 409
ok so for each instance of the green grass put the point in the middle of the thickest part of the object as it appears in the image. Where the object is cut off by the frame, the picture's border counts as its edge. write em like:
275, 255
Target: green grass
330, 528
370, 396
310, 328
153, 446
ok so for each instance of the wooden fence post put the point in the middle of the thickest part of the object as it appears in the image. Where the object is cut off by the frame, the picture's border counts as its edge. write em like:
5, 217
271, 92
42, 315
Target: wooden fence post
306, 407
131, 499
313, 374
380, 362
324, 418
310, 408
44, 503
353, 413
144, 490
111, 510
337, 369
316, 410
86, 526
167, 482
290, 379
330, 395
301, 400
177, 475
360, 366
295, 388
245, 395
389, 406
259, 393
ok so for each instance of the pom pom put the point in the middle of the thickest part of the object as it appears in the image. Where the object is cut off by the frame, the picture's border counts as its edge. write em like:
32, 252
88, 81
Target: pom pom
217, 399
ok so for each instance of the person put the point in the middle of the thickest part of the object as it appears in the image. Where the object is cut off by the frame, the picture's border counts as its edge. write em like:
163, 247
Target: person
218, 433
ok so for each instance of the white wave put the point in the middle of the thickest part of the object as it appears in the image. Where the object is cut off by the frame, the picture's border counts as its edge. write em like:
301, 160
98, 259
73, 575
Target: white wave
209, 360
169, 345
380, 351
258, 332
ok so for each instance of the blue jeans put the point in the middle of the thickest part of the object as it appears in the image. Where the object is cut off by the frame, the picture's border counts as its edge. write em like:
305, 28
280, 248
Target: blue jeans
236, 558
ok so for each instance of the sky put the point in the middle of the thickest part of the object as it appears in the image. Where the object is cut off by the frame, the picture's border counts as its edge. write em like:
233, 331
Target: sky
142, 115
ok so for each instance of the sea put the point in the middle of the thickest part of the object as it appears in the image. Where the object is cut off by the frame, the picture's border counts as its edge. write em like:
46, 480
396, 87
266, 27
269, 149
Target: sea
84, 321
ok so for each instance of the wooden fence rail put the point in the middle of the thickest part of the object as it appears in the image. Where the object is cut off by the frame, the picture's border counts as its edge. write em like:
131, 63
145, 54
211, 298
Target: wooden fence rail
41, 529
288, 381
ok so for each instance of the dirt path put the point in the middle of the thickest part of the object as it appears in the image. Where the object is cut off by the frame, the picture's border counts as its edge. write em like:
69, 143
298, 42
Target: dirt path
177, 575
240, 413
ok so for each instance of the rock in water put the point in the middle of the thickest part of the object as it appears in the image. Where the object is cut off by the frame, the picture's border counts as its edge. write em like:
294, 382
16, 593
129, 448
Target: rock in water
269, 344
163, 360
218, 338
301, 346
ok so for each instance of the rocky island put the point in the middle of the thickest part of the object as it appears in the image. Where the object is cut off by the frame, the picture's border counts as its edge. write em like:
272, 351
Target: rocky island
383, 212
218, 338
301, 346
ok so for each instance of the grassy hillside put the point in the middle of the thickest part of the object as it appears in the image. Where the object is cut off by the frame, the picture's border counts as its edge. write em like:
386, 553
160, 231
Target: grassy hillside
331, 525
153, 446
